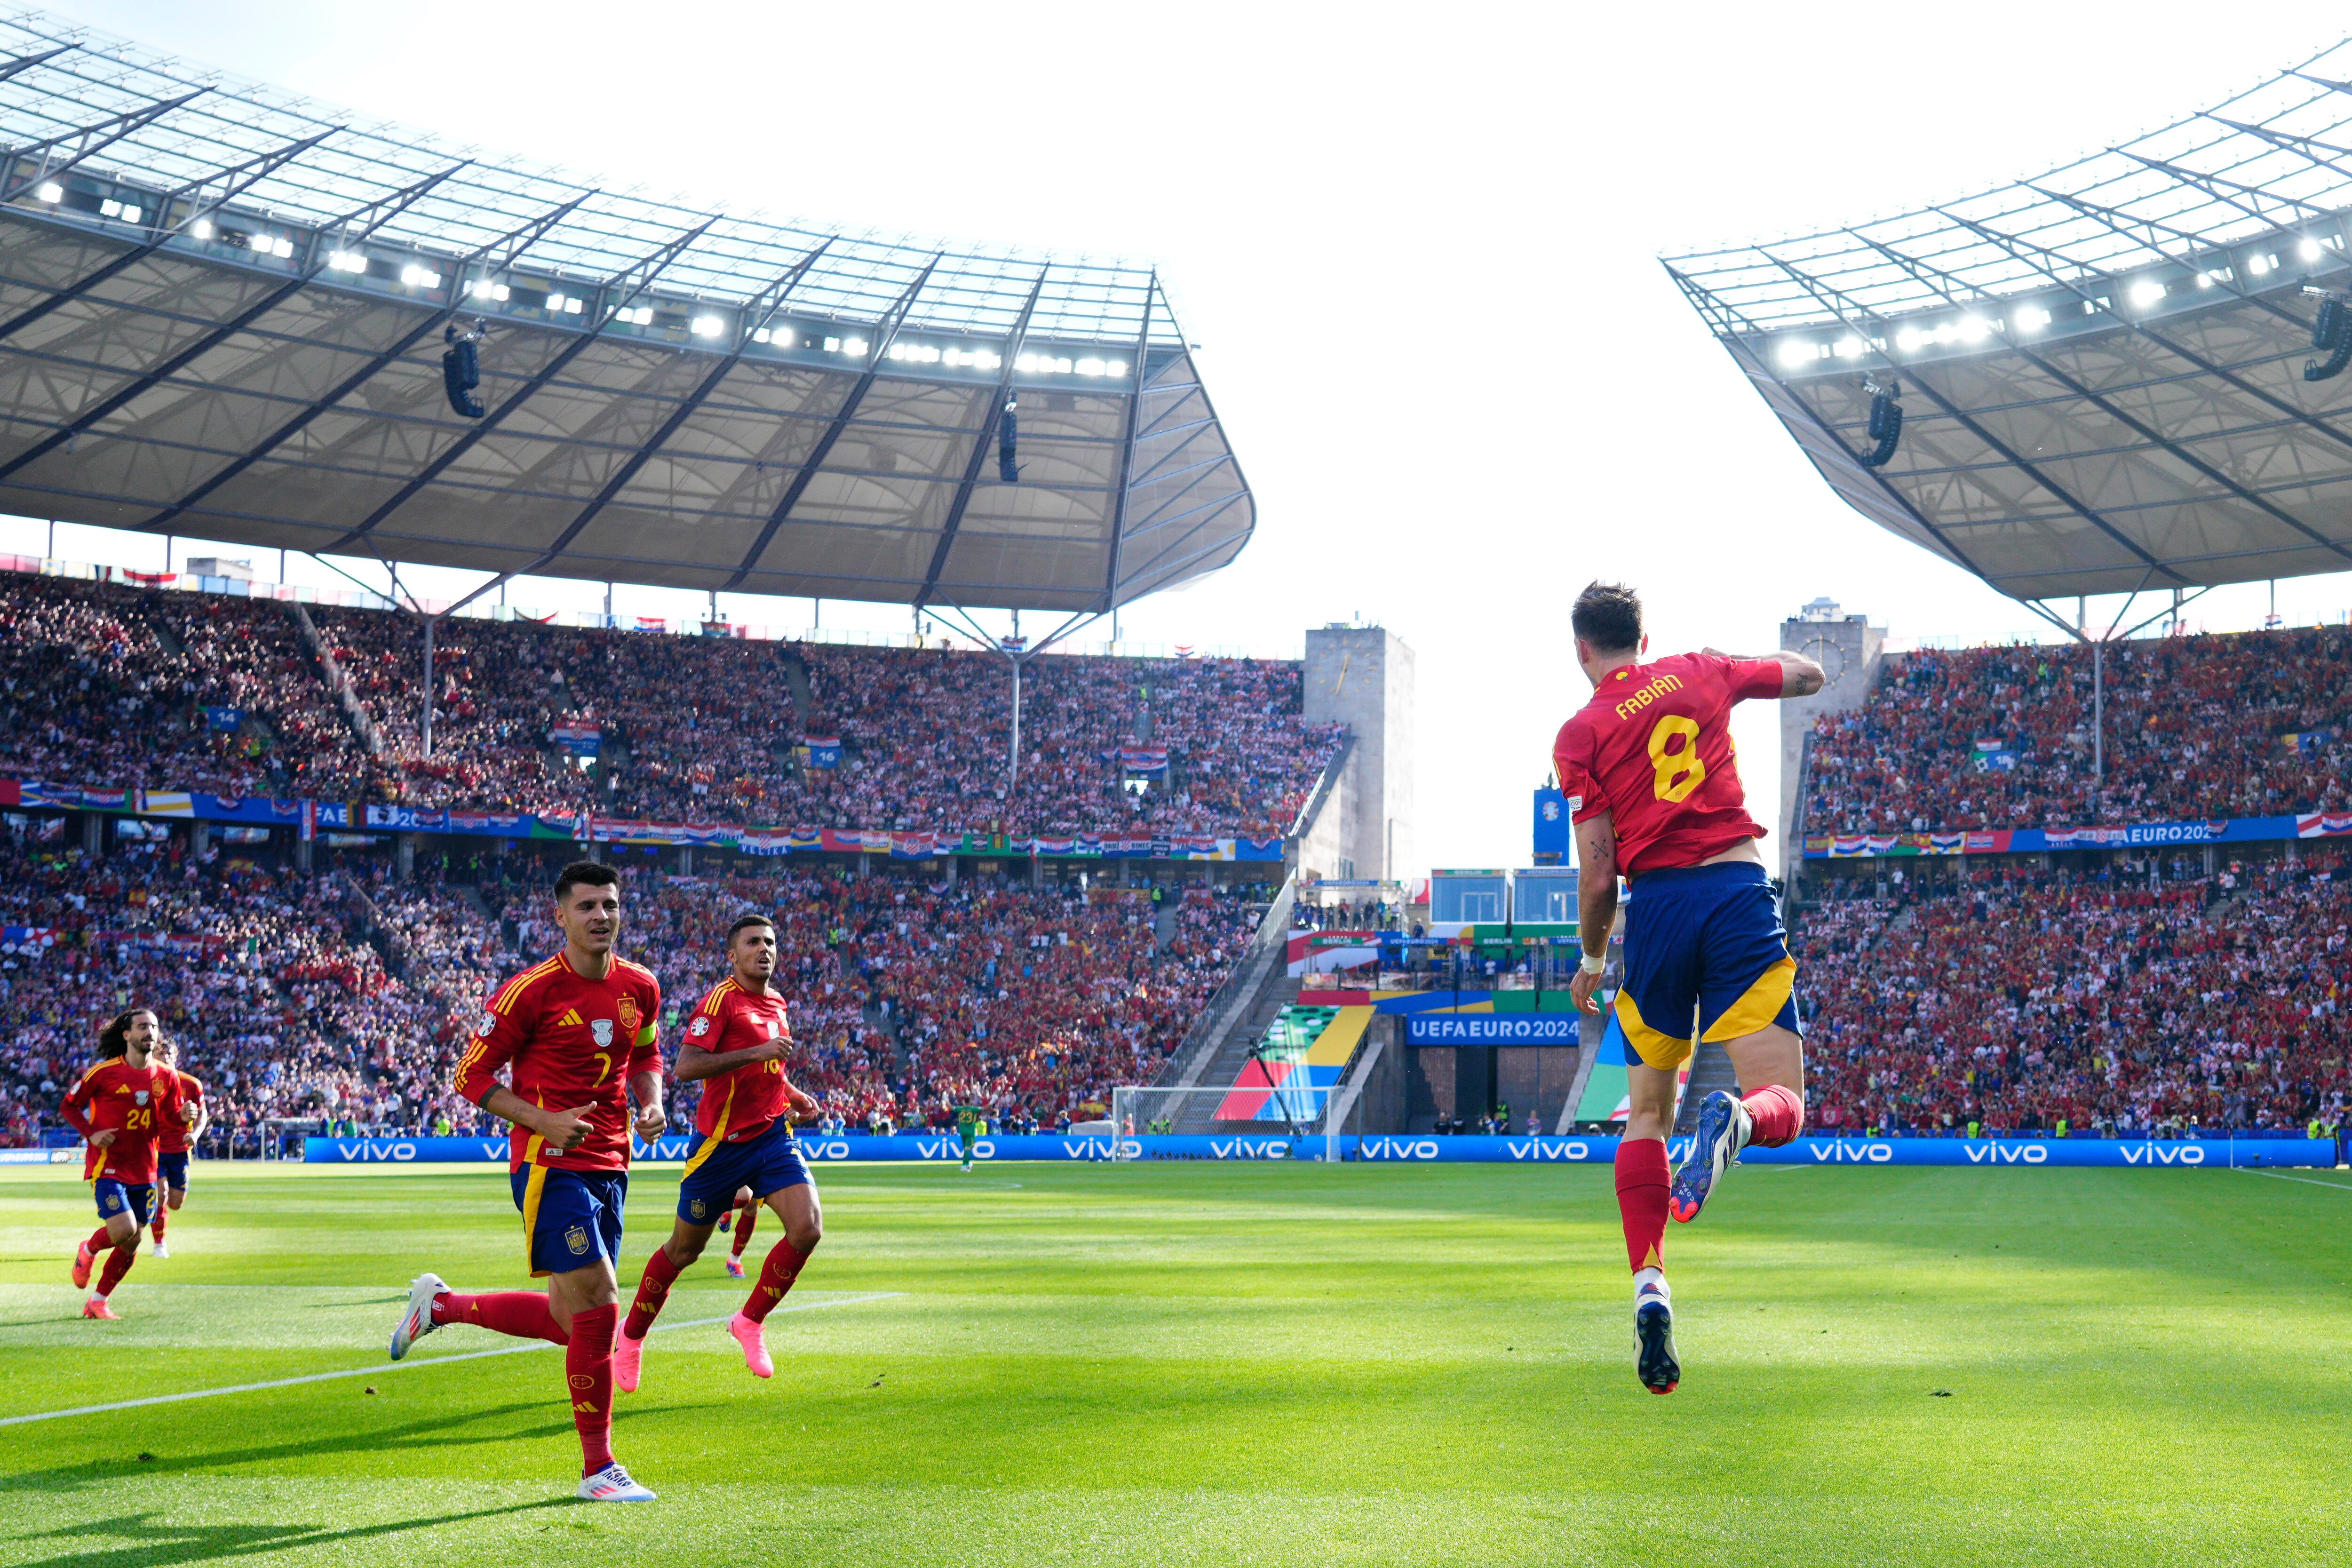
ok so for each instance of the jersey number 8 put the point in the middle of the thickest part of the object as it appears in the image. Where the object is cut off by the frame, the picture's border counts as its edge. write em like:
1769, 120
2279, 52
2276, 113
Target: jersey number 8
1678, 771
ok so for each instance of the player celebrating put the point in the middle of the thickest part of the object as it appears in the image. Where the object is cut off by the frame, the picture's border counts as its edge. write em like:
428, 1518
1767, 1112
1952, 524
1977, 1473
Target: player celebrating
578, 1033
737, 1041
1649, 772
172, 1142
119, 1106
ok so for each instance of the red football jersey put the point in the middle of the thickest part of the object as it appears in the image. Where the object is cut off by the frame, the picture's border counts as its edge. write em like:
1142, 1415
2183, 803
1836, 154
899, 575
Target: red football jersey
738, 1106
1653, 746
131, 1103
173, 1137
573, 1042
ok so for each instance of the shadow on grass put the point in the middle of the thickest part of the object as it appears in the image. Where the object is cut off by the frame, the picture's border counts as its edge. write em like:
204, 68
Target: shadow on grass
435, 1430
161, 1543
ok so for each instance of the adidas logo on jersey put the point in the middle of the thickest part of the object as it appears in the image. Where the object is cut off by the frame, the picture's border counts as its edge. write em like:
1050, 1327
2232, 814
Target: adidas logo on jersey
571, 1016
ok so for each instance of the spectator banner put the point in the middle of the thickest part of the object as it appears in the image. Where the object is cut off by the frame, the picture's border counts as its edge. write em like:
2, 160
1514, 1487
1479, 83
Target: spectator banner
1417, 1148
825, 751
2036, 841
1492, 1029
224, 719
581, 737
166, 803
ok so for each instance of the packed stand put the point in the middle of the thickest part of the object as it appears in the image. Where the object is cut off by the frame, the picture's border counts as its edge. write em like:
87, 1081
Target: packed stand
2017, 999
2247, 724
116, 687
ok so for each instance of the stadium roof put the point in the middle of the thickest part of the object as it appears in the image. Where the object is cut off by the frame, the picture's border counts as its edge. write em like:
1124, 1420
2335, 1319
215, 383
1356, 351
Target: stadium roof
221, 310
2101, 368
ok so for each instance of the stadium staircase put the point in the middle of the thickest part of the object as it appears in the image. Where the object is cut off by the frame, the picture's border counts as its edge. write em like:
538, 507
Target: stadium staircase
355, 712
1224, 1066
1710, 1071
1260, 986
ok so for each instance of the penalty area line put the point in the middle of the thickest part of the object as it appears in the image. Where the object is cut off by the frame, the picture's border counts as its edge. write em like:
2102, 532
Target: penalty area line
407, 1365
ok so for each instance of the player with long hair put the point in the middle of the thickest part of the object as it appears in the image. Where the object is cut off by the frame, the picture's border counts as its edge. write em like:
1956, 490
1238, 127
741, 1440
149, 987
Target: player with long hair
1649, 771
577, 1031
120, 1106
736, 1042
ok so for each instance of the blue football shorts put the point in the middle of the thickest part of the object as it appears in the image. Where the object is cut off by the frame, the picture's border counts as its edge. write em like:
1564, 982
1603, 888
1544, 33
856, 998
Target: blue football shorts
1706, 958
174, 1171
570, 1218
137, 1200
767, 1164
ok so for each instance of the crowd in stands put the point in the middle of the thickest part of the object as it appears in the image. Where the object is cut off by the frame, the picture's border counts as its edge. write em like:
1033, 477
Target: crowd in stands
117, 687
343, 1000
2249, 724
110, 685
2010, 998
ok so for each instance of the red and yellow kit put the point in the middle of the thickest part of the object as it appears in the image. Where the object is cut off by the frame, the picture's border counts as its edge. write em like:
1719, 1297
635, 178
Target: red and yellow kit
173, 1138
573, 1042
740, 1105
1653, 746
134, 1104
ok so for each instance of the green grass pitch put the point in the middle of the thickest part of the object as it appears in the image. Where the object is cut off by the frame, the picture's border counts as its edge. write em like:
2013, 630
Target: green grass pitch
1227, 1363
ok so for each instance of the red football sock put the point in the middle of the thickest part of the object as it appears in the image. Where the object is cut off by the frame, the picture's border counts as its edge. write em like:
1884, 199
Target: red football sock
155, 1222
1642, 1184
653, 1290
776, 1277
118, 1264
522, 1313
746, 1218
98, 1240
1777, 1114
588, 1371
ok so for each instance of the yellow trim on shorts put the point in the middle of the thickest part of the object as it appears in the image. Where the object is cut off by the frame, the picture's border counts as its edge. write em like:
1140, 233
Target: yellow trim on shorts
531, 1189
1662, 1051
717, 1135
1759, 1004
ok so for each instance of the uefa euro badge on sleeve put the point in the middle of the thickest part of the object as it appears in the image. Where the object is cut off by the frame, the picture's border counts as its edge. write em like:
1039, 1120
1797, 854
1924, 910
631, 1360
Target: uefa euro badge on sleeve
577, 1238
602, 1029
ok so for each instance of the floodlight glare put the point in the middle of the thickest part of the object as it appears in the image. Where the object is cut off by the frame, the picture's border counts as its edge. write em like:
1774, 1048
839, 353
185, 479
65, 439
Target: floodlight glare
1908, 339
346, 261
2258, 265
555, 301
1974, 328
2309, 249
2029, 318
2146, 292
109, 208
853, 347
51, 192
420, 276
201, 229
705, 326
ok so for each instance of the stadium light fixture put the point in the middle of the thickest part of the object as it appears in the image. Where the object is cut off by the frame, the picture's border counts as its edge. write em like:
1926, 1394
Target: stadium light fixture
51, 192
853, 347
705, 326
2147, 293
417, 276
1908, 339
2029, 317
2309, 249
346, 261
554, 302
2260, 265
1973, 329
201, 229
124, 210
1797, 351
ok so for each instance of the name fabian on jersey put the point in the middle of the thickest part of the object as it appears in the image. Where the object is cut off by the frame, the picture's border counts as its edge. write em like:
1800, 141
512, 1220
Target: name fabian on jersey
1649, 694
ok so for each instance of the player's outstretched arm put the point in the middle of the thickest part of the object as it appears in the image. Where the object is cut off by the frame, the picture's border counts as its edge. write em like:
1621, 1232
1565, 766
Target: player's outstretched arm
564, 1129
1800, 676
1596, 902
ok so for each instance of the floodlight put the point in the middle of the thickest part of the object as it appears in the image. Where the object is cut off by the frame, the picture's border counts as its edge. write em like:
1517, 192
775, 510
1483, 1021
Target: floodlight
1908, 339
2309, 249
2029, 317
2145, 293
131, 214
201, 229
705, 326
2258, 265
346, 261
420, 276
572, 307
51, 192
853, 347
555, 301
1117, 367
109, 207
1974, 328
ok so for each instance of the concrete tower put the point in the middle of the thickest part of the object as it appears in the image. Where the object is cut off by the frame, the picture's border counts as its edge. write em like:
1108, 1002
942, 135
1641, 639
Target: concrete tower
1847, 648
1362, 676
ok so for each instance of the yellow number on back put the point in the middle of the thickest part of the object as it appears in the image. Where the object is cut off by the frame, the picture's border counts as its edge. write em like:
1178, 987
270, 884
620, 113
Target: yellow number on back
1678, 771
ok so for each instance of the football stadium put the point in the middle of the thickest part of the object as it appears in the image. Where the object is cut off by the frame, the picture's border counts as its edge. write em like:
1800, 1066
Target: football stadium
1206, 1176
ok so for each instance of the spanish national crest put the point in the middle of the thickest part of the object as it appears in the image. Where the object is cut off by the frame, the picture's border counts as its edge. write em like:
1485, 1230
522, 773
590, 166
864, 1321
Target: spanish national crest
577, 1238
630, 1016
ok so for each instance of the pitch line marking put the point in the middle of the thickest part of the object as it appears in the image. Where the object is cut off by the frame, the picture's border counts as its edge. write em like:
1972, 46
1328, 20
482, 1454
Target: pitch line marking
2307, 1181
407, 1365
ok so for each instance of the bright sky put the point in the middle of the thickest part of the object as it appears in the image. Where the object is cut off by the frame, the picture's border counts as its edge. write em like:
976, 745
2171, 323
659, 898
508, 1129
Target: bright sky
1417, 245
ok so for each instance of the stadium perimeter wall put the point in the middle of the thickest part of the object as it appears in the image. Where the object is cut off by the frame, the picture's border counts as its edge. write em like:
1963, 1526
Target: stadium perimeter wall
2241, 1153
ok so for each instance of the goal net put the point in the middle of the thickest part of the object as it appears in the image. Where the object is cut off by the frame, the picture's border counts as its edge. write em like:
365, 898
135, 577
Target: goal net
1141, 1111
